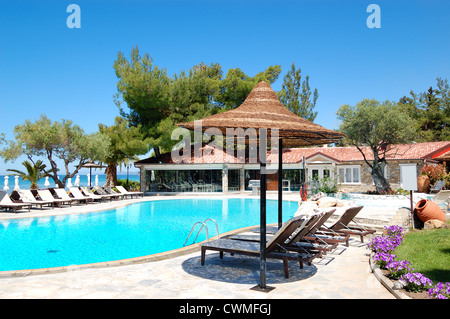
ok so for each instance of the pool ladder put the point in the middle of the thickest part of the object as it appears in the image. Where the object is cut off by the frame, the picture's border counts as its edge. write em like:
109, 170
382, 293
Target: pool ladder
206, 227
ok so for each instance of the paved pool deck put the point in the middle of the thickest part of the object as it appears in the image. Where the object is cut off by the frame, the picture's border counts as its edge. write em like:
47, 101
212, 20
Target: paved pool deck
342, 274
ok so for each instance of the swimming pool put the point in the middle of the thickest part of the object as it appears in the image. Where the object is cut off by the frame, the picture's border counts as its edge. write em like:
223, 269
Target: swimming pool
136, 230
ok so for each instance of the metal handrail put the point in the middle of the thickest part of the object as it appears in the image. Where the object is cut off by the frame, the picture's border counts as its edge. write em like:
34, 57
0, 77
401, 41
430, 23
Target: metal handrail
206, 227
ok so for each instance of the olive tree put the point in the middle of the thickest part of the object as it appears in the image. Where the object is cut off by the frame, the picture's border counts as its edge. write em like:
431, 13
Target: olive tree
56, 141
376, 125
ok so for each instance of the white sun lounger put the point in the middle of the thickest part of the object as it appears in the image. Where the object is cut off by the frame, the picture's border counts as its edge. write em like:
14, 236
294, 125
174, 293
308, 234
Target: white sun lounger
27, 196
6, 202
47, 196
78, 195
123, 191
87, 191
62, 194
103, 191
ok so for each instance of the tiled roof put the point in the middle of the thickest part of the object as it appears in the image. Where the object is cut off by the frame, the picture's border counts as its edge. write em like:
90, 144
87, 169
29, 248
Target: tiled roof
427, 150
351, 153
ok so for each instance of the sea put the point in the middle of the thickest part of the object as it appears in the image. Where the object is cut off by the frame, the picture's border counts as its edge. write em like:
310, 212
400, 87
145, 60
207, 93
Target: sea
83, 181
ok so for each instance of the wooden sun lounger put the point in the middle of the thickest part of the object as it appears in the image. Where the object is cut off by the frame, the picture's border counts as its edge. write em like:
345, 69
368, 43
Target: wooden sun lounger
27, 196
308, 239
6, 202
275, 247
88, 192
46, 195
61, 193
341, 226
78, 195
101, 191
304, 237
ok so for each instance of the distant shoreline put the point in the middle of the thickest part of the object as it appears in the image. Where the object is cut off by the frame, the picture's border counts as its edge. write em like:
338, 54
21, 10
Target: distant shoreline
83, 181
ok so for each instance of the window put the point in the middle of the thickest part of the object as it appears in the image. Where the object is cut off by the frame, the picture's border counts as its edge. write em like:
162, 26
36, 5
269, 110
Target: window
315, 174
318, 172
349, 174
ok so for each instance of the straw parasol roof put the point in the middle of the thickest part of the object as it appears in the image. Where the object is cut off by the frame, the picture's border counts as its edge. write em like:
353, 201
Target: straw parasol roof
263, 109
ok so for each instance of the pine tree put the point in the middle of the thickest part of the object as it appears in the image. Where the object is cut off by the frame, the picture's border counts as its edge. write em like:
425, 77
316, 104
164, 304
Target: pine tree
301, 103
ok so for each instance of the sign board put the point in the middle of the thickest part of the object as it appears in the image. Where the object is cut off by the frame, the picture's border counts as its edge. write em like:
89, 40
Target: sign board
408, 176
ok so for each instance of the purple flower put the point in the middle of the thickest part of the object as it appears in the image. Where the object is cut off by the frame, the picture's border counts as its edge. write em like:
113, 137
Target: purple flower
440, 291
382, 259
383, 244
398, 268
415, 282
394, 230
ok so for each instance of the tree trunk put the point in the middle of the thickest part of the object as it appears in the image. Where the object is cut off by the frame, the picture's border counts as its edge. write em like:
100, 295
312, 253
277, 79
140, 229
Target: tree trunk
111, 175
381, 184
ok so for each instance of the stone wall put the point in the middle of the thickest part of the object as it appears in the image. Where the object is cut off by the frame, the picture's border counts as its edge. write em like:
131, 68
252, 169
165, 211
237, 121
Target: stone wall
393, 175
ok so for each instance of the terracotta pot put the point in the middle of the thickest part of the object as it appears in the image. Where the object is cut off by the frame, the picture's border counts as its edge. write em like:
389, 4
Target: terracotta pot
427, 210
423, 184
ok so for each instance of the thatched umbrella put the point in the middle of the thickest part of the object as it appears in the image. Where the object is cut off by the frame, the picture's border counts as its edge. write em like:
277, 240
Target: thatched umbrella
262, 110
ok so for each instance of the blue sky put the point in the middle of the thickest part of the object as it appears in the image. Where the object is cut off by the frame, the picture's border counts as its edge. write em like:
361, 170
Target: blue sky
48, 68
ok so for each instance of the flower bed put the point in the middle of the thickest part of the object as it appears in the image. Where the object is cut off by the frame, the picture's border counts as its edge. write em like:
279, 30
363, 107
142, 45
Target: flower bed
415, 284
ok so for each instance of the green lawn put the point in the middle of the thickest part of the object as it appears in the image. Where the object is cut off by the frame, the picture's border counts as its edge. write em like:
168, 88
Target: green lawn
429, 253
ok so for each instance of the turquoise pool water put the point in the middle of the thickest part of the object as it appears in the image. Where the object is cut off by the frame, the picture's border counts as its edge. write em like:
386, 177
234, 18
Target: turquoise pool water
135, 230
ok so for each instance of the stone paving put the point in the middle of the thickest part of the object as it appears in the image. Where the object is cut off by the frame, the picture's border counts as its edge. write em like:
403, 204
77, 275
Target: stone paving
342, 274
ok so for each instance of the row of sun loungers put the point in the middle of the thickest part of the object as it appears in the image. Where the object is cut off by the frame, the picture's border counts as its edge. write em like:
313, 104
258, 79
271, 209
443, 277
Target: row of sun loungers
302, 238
58, 196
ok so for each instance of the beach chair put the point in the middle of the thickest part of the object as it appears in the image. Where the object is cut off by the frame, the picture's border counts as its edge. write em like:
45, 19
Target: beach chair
6, 202
27, 196
76, 193
62, 194
111, 191
46, 195
275, 247
437, 187
88, 192
443, 197
122, 190
341, 226
308, 238
101, 191
304, 237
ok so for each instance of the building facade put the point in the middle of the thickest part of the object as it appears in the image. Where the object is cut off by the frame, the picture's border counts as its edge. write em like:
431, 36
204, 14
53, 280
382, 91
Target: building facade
217, 171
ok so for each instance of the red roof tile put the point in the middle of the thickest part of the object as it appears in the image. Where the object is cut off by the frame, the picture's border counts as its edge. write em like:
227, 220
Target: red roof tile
340, 154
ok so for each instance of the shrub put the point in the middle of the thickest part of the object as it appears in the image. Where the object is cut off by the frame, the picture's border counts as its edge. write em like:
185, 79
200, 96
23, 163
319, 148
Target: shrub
398, 268
386, 244
440, 291
434, 172
383, 259
415, 282
383, 247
